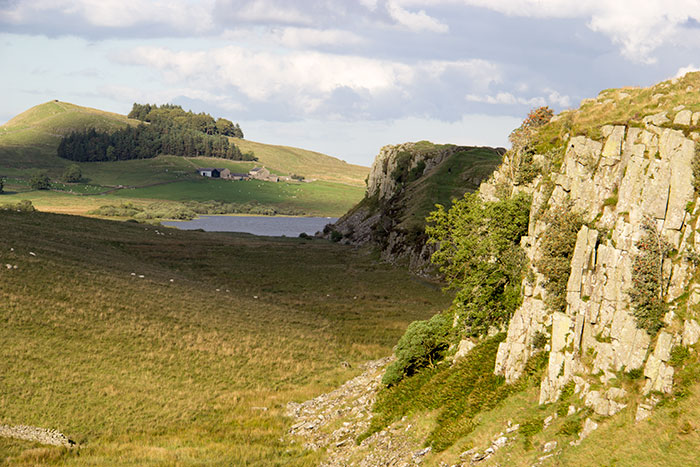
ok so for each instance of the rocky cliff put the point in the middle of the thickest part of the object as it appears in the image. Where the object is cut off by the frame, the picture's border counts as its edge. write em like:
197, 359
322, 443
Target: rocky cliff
624, 163
404, 184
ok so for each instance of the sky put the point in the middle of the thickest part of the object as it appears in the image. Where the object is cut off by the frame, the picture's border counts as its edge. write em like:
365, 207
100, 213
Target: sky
343, 77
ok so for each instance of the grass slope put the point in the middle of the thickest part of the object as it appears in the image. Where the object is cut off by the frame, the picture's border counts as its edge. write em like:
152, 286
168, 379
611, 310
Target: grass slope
30, 139
288, 160
194, 361
457, 174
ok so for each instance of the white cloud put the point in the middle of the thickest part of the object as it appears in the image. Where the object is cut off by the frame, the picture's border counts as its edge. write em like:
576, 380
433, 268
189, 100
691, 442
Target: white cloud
416, 22
506, 98
686, 69
263, 11
639, 28
293, 37
179, 14
304, 79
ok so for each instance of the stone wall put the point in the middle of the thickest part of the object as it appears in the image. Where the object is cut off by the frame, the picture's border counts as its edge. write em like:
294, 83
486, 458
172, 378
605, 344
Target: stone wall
631, 174
35, 434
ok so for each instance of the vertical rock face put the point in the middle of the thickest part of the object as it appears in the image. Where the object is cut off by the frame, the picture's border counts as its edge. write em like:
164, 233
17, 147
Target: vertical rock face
630, 174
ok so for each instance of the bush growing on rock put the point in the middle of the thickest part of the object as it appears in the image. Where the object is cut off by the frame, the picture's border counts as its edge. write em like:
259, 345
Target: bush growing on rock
423, 344
557, 247
647, 292
480, 256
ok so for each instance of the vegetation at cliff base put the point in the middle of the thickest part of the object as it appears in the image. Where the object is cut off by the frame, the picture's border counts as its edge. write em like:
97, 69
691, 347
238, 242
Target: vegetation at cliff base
423, 345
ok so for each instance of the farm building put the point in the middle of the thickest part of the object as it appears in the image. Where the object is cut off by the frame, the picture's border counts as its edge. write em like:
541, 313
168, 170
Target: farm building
209, 172
259, 173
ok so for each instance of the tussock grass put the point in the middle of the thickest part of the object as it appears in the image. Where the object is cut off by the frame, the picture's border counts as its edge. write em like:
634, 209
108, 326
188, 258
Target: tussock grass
145, 370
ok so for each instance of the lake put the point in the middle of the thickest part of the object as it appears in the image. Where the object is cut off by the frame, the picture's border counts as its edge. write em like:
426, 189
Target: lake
274, 226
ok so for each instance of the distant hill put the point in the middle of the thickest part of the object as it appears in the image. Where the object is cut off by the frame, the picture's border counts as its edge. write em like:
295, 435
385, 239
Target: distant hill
310, 164
30, 139
29, 142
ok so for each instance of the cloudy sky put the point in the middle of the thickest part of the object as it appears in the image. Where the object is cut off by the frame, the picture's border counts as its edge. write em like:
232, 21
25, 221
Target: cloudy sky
340, 76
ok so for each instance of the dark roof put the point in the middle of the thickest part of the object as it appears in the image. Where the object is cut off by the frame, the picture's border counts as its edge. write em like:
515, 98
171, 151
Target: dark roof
208, 169
257, 169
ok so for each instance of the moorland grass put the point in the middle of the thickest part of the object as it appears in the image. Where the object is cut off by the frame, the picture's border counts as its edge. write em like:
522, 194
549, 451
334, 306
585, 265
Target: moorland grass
195, 361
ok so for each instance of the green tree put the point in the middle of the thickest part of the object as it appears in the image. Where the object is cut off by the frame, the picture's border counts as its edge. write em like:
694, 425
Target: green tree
73, 173
480, 256
40, 181
2, 185
423, 344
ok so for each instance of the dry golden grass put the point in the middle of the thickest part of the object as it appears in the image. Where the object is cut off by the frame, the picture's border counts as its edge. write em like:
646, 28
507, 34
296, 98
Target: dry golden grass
148, 371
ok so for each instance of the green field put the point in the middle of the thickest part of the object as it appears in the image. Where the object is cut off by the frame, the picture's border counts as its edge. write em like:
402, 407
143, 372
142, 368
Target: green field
28, 145
313, 165
194, 362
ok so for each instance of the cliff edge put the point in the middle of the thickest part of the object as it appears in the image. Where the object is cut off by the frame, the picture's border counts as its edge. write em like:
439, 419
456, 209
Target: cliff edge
403, 186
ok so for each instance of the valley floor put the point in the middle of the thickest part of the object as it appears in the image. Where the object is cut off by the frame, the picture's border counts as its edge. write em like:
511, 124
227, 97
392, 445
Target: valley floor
148, 345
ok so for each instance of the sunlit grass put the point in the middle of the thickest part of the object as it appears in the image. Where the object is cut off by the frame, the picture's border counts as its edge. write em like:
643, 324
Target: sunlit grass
144, 370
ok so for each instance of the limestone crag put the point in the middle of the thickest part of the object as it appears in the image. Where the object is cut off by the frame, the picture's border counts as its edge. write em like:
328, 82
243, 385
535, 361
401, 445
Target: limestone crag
631, 174
395, 186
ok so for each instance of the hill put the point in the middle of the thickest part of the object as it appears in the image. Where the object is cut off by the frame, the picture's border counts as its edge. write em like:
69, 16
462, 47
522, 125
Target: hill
29, 141
285, 160
405, 183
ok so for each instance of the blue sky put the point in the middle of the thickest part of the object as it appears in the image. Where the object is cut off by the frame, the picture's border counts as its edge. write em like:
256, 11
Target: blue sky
338, 76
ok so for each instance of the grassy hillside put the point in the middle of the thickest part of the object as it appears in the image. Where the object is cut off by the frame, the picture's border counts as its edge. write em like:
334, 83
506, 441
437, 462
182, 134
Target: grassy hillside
288, 160
28, 144
162, 346
459, 173
30, 139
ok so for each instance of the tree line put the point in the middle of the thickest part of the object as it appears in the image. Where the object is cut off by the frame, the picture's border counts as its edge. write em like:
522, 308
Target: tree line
201, 122
170, 130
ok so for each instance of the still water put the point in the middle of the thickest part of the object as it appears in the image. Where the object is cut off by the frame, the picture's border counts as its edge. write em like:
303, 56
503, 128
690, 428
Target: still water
275, 226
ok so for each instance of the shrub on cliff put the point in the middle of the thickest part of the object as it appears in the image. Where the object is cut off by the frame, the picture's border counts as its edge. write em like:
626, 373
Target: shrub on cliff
556, 249
521, 137
647, 292
480, 256
423, 344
